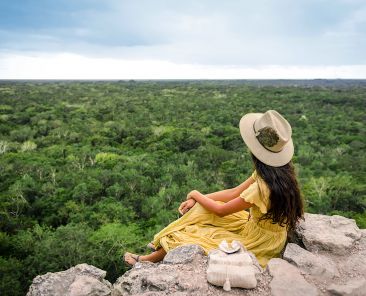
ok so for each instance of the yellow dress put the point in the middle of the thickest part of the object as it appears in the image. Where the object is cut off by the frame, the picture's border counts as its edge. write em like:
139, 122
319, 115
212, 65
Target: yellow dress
200, 226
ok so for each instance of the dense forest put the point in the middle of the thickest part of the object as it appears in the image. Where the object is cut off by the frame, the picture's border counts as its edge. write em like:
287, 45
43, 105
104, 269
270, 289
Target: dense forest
90, 170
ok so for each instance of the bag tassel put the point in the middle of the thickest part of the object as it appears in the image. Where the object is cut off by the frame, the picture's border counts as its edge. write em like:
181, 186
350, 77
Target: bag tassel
227, 285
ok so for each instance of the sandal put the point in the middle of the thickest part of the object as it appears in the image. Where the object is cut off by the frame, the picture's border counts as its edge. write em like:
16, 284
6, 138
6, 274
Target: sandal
151, 246
136, 258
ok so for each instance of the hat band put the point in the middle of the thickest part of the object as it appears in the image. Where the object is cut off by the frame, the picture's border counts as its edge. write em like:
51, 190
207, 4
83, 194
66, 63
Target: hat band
255, 133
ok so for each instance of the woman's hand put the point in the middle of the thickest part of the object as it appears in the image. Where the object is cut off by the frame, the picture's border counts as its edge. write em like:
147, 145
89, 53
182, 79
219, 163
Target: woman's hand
186, 206
192, 194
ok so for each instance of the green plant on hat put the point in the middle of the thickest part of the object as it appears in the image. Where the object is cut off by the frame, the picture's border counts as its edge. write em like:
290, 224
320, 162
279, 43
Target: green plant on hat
267, 136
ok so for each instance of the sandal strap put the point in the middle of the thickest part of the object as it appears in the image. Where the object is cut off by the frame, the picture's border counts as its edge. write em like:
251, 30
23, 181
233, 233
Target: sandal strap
137, 258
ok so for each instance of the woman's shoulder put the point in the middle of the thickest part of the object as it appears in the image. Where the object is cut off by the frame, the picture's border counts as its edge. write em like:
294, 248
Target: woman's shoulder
259, 180
264, 190
254, 175
257, 193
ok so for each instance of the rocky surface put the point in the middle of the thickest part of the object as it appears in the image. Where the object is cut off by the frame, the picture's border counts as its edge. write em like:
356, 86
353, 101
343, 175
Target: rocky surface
186, 276
80, 280
287, 280
307, 262
354, 287
326, 255
184, 255
335, 234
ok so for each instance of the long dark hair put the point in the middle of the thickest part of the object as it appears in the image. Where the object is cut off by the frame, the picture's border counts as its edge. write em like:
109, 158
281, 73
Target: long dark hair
287, 204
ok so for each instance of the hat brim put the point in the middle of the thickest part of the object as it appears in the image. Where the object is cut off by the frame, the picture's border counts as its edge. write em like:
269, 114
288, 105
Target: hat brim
274, 159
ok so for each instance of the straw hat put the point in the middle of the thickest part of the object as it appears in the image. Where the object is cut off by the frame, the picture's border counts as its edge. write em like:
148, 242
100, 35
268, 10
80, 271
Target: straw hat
268, 137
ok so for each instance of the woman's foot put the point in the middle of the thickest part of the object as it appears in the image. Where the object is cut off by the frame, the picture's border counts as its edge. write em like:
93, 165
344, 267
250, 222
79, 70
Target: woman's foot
131, 259
156, 256
151, 246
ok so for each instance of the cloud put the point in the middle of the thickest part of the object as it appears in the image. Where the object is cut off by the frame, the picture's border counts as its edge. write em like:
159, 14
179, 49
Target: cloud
72, 66
235, 33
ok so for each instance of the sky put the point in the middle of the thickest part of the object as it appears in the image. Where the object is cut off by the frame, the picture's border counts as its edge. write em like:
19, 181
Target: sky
190, 39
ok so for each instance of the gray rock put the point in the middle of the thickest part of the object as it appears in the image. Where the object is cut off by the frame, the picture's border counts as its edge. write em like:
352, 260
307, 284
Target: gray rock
88, 285
334, 234
354, 287
162, 294
287, 280
159, 282
326, 246
184, 254
310, 263
179, 279
162, 279
80, 280
362, 241
355, 263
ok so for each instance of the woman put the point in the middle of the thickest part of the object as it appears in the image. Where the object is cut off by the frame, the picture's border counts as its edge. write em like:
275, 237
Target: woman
271, 194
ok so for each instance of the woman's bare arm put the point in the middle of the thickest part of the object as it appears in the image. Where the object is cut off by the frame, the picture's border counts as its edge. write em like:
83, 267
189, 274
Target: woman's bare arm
235, 205
223, 195
229, 194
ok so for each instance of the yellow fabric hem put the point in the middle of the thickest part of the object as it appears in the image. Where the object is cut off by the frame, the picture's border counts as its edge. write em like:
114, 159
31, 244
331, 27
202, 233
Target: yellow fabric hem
201, 227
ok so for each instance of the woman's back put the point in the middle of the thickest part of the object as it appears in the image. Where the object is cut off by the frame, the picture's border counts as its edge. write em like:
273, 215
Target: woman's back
258, 194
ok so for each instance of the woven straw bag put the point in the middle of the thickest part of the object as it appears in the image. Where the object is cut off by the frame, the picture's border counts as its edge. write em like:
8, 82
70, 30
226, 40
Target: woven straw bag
232, 266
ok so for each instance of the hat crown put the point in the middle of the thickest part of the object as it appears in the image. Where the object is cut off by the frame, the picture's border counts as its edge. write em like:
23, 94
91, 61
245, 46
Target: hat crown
272, 130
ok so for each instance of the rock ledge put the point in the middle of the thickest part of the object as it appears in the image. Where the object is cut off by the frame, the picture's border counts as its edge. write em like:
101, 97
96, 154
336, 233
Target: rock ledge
326, 255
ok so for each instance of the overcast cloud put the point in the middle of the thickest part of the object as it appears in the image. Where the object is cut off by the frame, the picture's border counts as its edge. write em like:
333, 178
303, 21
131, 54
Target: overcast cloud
203, 36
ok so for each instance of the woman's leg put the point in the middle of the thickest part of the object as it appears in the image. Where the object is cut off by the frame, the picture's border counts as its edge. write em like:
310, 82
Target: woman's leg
153, 257
156, 256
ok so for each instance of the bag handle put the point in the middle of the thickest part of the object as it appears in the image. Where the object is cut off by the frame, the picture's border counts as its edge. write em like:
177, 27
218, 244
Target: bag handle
233, 248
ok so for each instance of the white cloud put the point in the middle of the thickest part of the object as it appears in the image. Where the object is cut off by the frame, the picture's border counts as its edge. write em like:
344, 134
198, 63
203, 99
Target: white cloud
72, 66
231, 38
